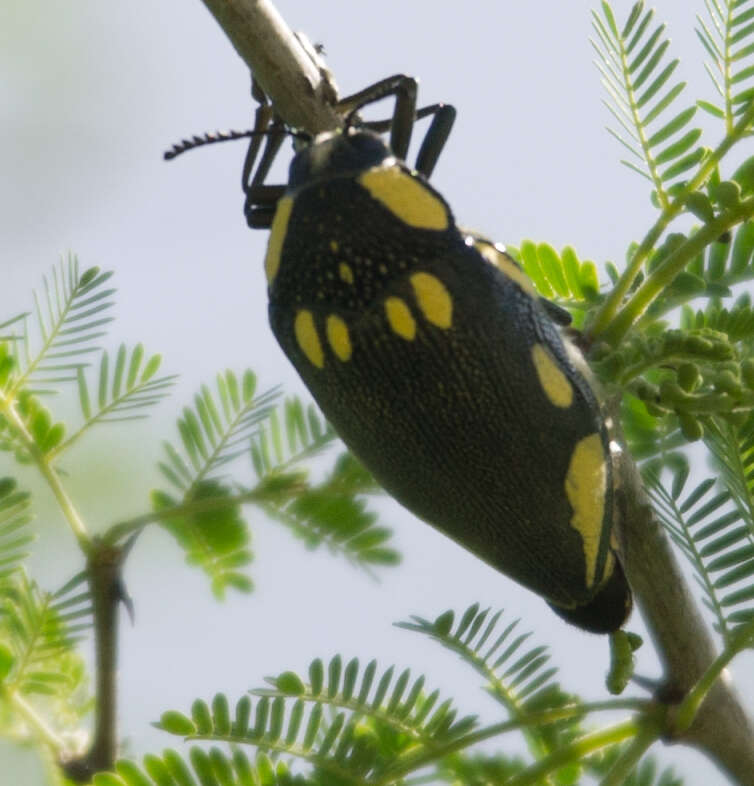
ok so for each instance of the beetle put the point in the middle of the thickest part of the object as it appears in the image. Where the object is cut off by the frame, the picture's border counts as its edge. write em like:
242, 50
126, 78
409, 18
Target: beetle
432, 355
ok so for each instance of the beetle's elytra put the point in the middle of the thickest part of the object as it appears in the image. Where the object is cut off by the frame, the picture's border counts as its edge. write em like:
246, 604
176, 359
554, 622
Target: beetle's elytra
431, 354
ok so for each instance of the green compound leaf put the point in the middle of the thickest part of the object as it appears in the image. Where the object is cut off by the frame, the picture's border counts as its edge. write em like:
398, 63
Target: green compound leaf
642, 87
215, 539
212, 767
71, 311
354, 725
15, 533
217, 430
39, 634
727, 35
516, 675
124, 391
563, 277
712, 527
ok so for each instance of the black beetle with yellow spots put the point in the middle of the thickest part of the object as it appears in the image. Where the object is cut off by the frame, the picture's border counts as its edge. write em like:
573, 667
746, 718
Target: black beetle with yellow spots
431, 354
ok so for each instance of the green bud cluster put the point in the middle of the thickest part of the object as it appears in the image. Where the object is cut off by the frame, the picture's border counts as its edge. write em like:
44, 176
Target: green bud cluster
726, 193
736, 322
692, 374
668, 349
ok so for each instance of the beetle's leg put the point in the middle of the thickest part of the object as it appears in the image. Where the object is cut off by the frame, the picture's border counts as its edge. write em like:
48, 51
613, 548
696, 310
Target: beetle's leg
276, 134
261, 200
404, 89
401, 124
443, 117
261, 203
262, 119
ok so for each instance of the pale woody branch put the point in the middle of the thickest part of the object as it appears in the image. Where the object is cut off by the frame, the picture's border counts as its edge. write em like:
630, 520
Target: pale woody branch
289, 74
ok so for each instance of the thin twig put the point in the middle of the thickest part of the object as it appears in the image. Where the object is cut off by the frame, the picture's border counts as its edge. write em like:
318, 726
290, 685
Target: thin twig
301, 90
104, 568
123, 529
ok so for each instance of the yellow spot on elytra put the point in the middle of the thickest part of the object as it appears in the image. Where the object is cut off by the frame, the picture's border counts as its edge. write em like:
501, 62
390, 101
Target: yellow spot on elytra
433, 298
337, 335
345, 272
585, 486
308, 339
334, 247
277, 237
406, 197
506, 265
400, 319
554, 382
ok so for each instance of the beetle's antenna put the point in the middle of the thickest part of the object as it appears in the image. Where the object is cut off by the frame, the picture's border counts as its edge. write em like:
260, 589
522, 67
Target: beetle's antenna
224, 136
208, 139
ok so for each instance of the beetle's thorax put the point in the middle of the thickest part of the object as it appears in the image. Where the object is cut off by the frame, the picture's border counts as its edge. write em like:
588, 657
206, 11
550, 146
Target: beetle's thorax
337, 154
338, 238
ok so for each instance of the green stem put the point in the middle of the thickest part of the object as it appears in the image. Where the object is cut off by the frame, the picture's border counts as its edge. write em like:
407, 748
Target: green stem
671, 267
35, 721
740, 640
603, 326
7, 407
413, 762
628, 760
577, 751
123, 529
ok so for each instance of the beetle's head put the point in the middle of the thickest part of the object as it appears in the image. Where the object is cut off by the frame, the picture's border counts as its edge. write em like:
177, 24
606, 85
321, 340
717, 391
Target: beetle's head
337, 154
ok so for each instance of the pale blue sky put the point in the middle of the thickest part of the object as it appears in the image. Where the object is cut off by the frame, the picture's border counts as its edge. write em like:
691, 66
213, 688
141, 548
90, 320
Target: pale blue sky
91, 95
